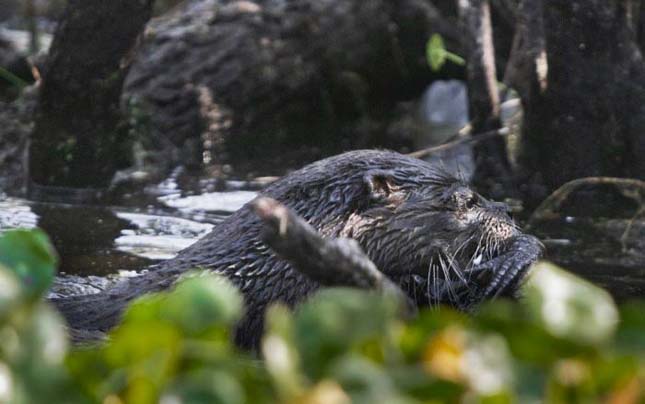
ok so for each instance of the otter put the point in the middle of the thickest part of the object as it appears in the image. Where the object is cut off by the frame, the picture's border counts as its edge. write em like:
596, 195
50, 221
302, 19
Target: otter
427, 230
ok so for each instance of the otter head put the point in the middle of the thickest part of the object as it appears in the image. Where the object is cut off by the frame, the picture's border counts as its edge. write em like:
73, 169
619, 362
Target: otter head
430, 236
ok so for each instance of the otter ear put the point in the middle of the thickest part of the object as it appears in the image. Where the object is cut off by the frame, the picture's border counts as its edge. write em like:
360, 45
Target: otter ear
381, 187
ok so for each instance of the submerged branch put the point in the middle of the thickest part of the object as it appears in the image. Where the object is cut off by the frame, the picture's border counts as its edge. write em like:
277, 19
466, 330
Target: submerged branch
630, 187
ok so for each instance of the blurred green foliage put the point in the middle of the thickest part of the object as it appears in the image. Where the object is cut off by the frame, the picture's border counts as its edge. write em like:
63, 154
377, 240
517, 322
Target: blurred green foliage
12, 79
565, 342
437, 55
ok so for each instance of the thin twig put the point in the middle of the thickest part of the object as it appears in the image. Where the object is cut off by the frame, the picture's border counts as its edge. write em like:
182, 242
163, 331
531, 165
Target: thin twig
472, 139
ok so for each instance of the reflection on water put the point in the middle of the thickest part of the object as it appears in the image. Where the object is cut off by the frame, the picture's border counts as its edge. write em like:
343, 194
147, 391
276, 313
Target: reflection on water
140, 229
93, 239
14, 213
209, 202
158, 237
608, 252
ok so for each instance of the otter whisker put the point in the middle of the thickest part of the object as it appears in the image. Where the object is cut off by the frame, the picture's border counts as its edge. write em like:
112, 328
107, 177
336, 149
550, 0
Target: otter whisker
432, 274
489, 243
436, 283
453, 264
412, 284
468, 241
463, 245
480, 250
452, 296
478, 253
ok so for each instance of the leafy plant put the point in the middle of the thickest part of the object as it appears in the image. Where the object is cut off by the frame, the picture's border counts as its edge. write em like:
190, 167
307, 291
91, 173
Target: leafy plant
437, 54
564, 342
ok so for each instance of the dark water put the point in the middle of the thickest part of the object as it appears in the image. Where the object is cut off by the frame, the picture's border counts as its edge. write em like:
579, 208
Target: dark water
600, 235
608, 252
140, 228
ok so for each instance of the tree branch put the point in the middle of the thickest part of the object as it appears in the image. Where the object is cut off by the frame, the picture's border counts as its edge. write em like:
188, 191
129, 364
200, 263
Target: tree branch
331, 262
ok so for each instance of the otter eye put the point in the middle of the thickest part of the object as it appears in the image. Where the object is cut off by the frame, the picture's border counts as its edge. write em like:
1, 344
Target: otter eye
465, 199
471, 201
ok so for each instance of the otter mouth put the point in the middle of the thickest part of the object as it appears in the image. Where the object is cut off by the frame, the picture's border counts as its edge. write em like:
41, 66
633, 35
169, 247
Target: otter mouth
460, 281
484, 275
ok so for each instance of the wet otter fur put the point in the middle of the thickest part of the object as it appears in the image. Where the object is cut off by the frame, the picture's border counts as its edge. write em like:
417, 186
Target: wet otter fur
425, 229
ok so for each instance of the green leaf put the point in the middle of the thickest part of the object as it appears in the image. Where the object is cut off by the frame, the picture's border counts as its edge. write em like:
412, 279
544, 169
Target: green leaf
569, 307
34, 347
201, 302
631, 329
280, 356
207, 386
525, 333
31, 257
10, 296
338, 320
435, 52
364, 381
456, 59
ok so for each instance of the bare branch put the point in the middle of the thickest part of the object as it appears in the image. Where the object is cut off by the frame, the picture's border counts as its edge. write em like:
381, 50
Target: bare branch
331, 262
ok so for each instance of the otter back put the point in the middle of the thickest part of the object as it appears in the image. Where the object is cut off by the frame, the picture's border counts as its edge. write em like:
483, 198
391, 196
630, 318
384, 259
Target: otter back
405, 213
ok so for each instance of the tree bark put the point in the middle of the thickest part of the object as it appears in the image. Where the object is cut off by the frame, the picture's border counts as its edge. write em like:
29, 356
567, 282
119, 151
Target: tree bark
586, 116
80, 139
527, 66
237, 81
14, 140
639, 17
483, 97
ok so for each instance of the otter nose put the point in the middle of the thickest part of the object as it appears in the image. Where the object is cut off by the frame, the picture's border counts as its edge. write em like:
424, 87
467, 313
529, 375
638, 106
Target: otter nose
501, 207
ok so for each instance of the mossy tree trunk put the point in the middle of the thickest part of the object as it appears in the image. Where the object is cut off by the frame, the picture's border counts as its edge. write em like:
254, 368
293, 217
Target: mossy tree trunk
80, 139
584, 93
